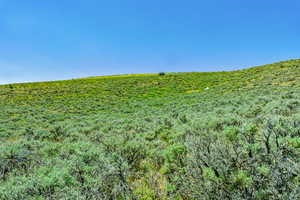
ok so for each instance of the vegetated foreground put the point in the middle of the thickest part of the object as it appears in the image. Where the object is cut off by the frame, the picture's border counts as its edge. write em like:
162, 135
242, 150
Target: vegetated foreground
154, 136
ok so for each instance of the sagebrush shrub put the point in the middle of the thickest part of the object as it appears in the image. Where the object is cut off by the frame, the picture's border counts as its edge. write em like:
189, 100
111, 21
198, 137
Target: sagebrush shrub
249, 165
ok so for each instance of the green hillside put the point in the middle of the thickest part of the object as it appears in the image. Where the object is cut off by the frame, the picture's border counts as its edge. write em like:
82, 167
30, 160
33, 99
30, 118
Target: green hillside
212, 135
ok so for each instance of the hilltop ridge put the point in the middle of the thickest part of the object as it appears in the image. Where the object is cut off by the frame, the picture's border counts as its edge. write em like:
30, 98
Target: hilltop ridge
291, 64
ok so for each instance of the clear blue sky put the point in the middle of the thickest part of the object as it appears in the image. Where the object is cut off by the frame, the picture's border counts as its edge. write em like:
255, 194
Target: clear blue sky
63, 39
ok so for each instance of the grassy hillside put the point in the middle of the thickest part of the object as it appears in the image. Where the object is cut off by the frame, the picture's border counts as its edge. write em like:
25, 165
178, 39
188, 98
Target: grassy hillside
154, 137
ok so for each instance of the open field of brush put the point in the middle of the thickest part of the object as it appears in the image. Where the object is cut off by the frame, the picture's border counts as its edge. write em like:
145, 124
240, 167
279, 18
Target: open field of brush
217, 135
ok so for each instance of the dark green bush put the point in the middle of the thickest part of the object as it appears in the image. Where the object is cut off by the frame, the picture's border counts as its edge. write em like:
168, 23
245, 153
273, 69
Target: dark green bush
14, 157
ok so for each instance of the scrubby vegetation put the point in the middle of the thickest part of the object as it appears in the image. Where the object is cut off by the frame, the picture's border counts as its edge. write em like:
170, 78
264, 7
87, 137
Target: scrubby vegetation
154, 137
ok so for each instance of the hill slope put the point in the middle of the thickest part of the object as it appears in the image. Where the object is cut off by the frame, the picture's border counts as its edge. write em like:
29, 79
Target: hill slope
154, 137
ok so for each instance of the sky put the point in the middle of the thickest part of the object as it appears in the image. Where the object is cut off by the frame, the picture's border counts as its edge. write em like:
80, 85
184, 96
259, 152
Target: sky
64, 39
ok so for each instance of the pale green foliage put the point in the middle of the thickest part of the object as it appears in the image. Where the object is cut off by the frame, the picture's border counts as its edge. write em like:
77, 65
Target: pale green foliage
154, 137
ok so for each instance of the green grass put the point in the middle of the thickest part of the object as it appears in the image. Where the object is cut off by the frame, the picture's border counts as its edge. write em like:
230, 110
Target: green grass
154, 137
